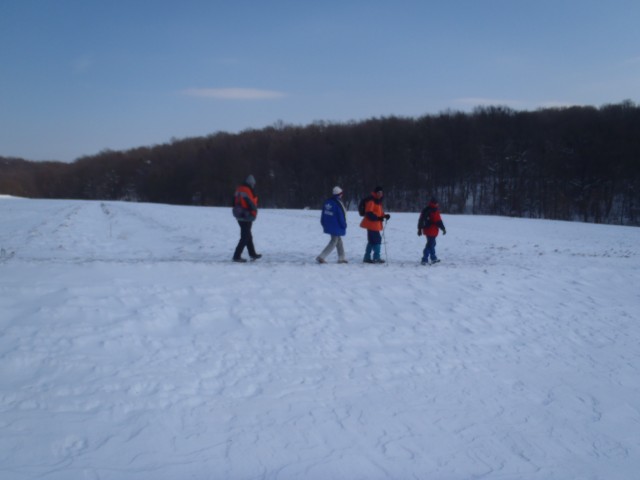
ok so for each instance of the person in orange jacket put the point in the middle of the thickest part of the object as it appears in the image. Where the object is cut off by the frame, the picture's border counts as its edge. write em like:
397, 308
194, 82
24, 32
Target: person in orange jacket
245, 209
374, 217
429, 224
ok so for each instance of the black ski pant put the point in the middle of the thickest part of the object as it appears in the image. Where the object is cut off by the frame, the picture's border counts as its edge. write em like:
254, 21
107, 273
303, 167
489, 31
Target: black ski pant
246, 240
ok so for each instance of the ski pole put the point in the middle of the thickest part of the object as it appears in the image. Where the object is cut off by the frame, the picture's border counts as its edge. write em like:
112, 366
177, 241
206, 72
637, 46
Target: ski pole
384, 241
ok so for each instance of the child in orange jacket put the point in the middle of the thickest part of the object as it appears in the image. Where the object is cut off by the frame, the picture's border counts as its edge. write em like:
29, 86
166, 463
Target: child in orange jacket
429, 224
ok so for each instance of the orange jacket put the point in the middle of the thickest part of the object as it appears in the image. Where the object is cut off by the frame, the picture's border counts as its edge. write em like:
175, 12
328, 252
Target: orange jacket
430, 221
373, 208
247, 201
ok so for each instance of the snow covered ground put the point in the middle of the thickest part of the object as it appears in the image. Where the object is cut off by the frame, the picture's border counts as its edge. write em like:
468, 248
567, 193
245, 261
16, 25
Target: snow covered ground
132, 348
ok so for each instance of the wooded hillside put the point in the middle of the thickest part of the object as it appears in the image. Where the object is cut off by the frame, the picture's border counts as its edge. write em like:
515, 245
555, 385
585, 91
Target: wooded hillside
578, 163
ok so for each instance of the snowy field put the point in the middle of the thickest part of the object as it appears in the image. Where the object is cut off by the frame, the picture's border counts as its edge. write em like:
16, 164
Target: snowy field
131, 347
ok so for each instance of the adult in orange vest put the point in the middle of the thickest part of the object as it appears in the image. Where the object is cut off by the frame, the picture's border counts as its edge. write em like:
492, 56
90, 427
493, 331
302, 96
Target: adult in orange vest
245, 209
373, 217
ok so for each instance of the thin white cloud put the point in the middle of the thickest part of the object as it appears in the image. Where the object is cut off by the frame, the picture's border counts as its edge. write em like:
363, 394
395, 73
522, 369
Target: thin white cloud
234, 93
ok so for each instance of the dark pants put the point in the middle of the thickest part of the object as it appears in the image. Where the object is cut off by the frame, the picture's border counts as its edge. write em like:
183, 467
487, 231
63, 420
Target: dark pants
246, 240
430, 250
374, 240
374, 237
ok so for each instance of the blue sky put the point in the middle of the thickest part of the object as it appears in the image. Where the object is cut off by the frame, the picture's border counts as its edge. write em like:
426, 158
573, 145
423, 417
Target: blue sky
81, 76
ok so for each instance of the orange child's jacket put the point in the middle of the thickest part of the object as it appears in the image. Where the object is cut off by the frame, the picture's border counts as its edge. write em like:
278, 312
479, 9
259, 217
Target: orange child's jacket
372, 207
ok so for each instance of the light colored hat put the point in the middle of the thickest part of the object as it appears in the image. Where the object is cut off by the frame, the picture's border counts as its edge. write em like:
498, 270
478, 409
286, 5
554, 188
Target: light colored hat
251, 181
337, 190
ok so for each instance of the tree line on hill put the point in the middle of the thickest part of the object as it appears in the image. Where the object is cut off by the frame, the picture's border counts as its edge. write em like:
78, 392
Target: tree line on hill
576, 163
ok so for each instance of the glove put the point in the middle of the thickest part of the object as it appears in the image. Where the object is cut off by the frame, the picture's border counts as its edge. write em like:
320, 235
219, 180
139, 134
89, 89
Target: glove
387, 216
419, 232
444, 231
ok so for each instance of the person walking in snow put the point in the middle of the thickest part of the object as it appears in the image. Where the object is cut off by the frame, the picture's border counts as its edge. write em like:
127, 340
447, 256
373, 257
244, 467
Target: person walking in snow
430, 224
245, 210
374, 217
334, 223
